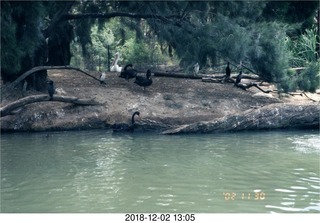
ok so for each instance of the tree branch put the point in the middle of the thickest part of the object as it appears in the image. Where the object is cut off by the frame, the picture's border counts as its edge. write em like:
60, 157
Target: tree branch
119, 14
7, 109
59, 16
35, 69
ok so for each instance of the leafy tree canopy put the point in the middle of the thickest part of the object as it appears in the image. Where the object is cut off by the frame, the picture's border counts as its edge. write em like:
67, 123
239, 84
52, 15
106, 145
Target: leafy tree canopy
256, 33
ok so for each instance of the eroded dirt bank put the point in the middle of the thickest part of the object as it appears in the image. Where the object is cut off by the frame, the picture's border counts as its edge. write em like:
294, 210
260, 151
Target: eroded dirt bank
167, 103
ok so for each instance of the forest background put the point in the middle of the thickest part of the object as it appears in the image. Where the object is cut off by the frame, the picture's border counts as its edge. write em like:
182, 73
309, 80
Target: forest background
278, 40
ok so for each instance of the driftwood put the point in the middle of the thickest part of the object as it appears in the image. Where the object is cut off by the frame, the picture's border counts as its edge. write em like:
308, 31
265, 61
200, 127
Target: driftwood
247, 86
35, 69
301, 94
275, 116
9, 108
224, 78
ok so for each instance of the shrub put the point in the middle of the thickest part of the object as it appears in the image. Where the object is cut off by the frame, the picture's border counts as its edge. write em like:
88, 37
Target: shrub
303, 49
268, 54
308, 80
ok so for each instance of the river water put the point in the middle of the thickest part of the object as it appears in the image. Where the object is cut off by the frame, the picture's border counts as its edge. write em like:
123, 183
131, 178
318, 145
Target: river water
102, 172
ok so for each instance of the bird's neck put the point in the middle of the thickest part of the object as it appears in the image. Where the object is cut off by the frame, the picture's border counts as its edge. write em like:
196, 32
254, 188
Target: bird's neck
132, 119
115, 60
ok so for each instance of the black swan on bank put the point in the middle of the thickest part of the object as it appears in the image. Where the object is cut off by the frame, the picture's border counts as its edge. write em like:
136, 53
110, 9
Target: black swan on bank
144, 81
238, 80
123, 127
51, 90
128, 73
228, 70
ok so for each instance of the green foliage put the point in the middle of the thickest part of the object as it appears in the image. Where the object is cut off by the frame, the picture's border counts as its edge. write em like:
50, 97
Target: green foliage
143, 53
309, 79
229, 38
92, 53
303, 49
290, 11
288, 81
268, 54
20, 35
302, 53
140, 52
11, 53
204, 32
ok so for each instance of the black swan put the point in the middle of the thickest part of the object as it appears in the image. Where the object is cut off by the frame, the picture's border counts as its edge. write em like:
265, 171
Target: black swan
103, 78
114, 66
144, 82
238, 80
123, 127
51, 90
128, 73
228, 71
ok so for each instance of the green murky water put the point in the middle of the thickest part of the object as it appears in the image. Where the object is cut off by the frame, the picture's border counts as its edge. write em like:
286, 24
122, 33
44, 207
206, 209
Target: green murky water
97, 171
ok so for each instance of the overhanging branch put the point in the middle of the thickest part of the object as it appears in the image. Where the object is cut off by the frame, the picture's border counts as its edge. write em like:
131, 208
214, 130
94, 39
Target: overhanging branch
35, 69
119, 14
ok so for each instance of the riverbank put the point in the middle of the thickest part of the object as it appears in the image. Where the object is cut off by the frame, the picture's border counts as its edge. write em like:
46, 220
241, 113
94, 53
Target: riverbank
166, 104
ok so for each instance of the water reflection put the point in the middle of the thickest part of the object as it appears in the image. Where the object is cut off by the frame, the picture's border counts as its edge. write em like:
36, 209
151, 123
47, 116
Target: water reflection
303, 196
97, 171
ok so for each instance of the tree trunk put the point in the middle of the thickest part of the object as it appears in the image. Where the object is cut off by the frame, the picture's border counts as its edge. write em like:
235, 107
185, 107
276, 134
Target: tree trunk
59, 45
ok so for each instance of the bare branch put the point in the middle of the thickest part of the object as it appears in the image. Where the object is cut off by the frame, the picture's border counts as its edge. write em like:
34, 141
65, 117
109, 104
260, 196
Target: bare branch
35, 69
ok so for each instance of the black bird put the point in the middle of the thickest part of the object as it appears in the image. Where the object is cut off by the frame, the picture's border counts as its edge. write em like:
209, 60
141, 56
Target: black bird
128, 73
51, 89
144, 82
123, 127
238, 80
228, 71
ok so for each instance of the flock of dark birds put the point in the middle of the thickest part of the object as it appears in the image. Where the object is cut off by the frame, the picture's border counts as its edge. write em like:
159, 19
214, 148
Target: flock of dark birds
129, 73
132, 73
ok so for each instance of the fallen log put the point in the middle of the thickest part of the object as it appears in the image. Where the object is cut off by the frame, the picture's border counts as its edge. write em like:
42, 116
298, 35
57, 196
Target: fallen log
274, 116
9, 108
213, 77
176, 75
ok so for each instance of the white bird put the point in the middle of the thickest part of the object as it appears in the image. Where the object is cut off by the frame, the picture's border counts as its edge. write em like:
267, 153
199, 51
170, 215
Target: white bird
196, 68
102, 78
114, 66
